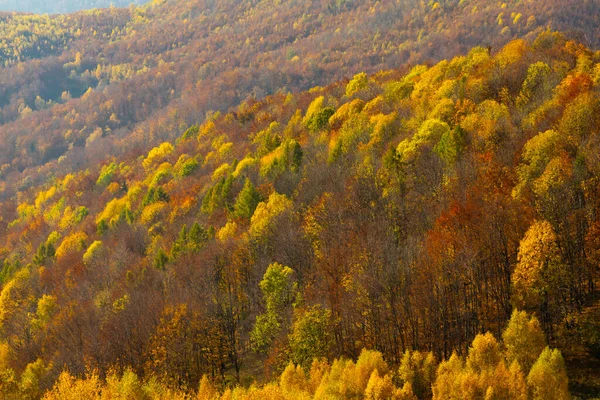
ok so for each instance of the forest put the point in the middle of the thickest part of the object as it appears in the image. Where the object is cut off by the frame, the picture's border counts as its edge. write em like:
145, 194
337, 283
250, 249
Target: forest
188, 215
429, 212
149, 72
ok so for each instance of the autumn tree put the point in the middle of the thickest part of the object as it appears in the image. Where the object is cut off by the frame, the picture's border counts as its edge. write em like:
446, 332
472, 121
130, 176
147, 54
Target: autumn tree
523, 339
548, 378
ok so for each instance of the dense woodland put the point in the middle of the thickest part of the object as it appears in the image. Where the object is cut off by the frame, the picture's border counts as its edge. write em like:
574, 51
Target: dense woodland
296, 200
128, 79
398, 212
61, 6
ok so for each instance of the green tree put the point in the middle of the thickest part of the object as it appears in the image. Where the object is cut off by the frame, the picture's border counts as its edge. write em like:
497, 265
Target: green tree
277, 288
359, 82
31, 379
102, 227
160, 260
310, 337
320, 119
247, 201
180, 243
296, 156
43, 253
198, 237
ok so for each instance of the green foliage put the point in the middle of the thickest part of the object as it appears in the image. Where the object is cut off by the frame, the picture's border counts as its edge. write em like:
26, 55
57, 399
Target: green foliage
396, 91
267, 140
44, 252
191, 132
217, 196
161, 259
287, 157
579, 118
247, 201
359, 82
189, 167
185, 166
310, 337
181, 243
31, 380
277, 288
197, 237
264, 332
296, 155
429, 135
311, 118
102, 227
8, 269
155, 195
106, 174
451, 145
537, 153
80, 213
355, 130
320, 119
162, 175
46, 308
537, 79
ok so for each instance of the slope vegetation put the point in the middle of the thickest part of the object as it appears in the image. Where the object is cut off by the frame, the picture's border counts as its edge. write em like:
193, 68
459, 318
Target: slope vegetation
405, 210
78, 87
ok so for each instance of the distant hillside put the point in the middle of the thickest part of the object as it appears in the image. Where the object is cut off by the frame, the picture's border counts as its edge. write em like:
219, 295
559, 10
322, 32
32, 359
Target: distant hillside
61, 6
89, 84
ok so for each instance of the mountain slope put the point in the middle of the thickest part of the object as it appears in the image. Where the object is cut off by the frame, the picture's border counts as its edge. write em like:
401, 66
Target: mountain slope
147, 72
410, 209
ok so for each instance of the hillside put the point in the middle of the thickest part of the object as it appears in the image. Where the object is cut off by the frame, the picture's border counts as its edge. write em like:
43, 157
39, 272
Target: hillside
147, 72
408, 210
61, 6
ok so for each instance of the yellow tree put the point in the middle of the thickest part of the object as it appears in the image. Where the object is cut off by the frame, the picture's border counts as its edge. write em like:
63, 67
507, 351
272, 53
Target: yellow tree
523, 339
548, 378
540, 270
